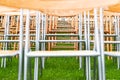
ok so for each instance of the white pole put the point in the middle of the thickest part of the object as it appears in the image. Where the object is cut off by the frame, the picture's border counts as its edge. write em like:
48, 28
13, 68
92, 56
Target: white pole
102, 45
85, 37
97, 41
88, 44
37, 44
27, 44
42, 44
20, 45
80, 37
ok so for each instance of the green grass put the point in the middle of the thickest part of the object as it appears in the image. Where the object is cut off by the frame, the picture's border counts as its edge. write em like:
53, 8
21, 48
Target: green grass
112, 73
64, 68
10, 72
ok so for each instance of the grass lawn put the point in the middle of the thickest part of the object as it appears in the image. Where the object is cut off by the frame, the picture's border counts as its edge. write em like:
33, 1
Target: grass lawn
64, 68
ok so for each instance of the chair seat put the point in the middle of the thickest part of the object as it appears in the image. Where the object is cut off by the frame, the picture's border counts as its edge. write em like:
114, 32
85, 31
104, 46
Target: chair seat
6, 53
61, 53
112, 53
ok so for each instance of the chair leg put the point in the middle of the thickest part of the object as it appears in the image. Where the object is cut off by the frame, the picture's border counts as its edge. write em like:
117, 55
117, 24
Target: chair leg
4, 59
20, 68
99, 68
80, 62
88, 70
43, 62
36, 69
25, 68
118, 62
3, 62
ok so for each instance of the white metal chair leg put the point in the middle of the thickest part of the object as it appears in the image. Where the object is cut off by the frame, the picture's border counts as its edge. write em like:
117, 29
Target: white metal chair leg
43, 62
89, 68
27, 42
118, 62
36, 69
80, 37
37, 44
87, 71
21, 46
25, 68
43, 38
102, 67
88, 44
99, 68
80, 62
97, 41
4, 61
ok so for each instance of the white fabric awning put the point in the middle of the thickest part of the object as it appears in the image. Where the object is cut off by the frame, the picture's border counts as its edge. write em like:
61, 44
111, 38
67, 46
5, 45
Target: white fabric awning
58, 7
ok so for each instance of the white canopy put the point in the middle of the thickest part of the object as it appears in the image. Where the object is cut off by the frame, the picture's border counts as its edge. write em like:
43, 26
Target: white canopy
58, 7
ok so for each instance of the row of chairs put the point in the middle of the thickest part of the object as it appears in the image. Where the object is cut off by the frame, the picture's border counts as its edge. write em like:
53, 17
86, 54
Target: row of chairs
40, 41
